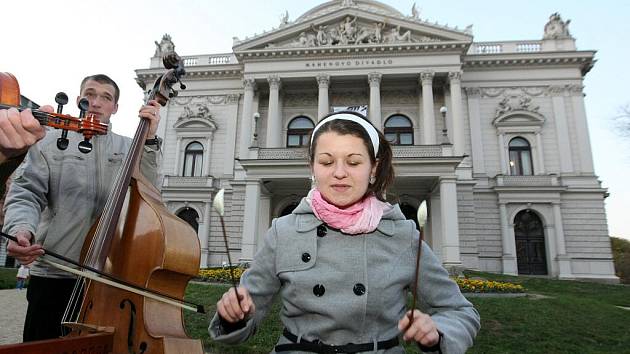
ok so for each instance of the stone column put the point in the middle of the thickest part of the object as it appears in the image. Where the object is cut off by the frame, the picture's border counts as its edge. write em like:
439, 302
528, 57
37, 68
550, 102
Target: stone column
230, 135
539, 154
250, 219
450, 222
204, 232
564, 261
428, 112
323, 106
562, 129
476, 140
502, 153
508, 243
274, 122
247, 118
374, 110
581, 128
177, 169
457, 114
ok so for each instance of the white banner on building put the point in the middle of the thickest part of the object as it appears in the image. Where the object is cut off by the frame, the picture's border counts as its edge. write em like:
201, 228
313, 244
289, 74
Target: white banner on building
363, 109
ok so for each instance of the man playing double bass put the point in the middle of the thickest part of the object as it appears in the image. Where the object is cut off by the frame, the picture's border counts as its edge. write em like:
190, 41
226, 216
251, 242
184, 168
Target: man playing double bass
57, 195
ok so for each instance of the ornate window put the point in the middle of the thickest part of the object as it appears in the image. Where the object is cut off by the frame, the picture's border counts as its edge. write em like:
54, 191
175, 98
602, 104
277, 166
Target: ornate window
190, 216
299, 131
399, 130
520, 157
193, 159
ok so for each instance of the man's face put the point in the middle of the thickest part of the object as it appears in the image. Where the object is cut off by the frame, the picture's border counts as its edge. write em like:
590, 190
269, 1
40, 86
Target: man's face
101, 98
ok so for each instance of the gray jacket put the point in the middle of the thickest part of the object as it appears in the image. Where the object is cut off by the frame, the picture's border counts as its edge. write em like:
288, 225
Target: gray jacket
58, 194
301, 259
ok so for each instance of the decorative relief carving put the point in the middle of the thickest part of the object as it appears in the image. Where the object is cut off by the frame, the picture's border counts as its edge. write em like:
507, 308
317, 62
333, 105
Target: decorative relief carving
399, 97
213, 100
349, 31
556, 90
515, 103
300, 100
347, 99
198, 112
513, 91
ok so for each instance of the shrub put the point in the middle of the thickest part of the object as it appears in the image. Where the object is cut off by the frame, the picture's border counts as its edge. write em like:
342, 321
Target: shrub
621, 256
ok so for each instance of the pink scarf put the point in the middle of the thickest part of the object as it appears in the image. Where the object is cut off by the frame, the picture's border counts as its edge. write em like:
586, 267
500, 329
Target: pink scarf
359, 218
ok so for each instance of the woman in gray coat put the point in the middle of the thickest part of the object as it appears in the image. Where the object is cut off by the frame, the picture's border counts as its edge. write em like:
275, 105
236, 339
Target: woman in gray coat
344, 261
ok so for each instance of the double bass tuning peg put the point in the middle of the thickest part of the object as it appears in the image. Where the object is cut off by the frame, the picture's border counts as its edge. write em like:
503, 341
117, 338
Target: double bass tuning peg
62, 99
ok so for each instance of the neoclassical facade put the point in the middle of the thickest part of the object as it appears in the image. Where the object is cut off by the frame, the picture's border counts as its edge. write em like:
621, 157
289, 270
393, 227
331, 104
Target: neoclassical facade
493, 136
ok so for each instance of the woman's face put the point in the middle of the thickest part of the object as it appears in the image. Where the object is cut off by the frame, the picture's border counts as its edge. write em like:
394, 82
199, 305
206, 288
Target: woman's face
342, 168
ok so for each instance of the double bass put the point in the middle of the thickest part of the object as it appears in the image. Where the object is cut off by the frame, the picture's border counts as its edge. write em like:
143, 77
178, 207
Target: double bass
139, 240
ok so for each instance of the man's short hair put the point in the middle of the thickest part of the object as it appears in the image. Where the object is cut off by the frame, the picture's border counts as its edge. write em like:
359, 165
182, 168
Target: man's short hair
103, 79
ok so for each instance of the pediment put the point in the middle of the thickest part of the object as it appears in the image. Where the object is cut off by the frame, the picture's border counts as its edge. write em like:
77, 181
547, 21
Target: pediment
352, 26
519, 118
198, 119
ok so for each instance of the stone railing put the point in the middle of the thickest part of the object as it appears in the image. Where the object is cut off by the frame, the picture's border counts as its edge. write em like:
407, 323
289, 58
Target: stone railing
527, 181
398, 151
212, 59
179, 181
505, 47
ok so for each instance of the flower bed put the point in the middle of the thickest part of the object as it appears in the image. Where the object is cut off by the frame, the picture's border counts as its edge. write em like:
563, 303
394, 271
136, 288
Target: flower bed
220, 274
468, 285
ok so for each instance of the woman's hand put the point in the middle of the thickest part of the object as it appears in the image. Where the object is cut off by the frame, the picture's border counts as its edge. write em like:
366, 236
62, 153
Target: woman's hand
232, 309
422, 330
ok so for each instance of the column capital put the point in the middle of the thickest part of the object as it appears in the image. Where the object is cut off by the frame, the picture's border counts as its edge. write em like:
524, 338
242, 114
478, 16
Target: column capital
426, 77
473, 92
323, 80
249, 84
374, 79
455, 77
274, 81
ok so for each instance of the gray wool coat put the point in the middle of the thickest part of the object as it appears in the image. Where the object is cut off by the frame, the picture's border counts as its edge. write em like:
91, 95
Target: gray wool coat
350, 289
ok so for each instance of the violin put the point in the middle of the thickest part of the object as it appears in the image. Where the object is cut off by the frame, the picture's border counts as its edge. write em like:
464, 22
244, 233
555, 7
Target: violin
86, 124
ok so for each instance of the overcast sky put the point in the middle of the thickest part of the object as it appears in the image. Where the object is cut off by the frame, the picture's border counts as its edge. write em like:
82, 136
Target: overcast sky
51, 45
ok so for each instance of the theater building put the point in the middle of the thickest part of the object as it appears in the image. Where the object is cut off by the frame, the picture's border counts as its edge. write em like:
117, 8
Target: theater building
493, 135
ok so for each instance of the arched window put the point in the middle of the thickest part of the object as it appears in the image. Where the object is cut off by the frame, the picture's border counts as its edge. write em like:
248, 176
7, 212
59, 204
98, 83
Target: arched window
193, 159
299, 131
190, 216
520, 157
399, 130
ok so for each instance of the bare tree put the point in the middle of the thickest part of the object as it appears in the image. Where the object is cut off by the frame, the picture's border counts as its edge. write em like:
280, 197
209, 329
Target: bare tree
622, 121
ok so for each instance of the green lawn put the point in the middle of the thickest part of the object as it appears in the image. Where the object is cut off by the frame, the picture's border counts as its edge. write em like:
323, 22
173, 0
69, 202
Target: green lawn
563, 317
569, 317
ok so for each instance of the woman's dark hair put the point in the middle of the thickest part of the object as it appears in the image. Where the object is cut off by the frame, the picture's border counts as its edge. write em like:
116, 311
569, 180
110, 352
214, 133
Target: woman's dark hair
384, 175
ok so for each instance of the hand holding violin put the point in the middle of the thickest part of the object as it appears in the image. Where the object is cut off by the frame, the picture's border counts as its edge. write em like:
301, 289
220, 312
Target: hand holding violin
18, 131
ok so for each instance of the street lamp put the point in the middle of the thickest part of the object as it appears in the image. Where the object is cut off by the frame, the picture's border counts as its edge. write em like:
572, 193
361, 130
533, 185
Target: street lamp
443, 111
256, 117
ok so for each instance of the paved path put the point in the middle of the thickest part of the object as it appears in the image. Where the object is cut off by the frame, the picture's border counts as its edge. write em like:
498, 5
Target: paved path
12, 313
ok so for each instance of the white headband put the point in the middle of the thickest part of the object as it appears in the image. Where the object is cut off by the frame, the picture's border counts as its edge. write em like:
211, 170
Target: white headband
369, 128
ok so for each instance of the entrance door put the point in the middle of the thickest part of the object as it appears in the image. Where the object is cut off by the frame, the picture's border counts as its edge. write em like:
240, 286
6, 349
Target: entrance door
530, 243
